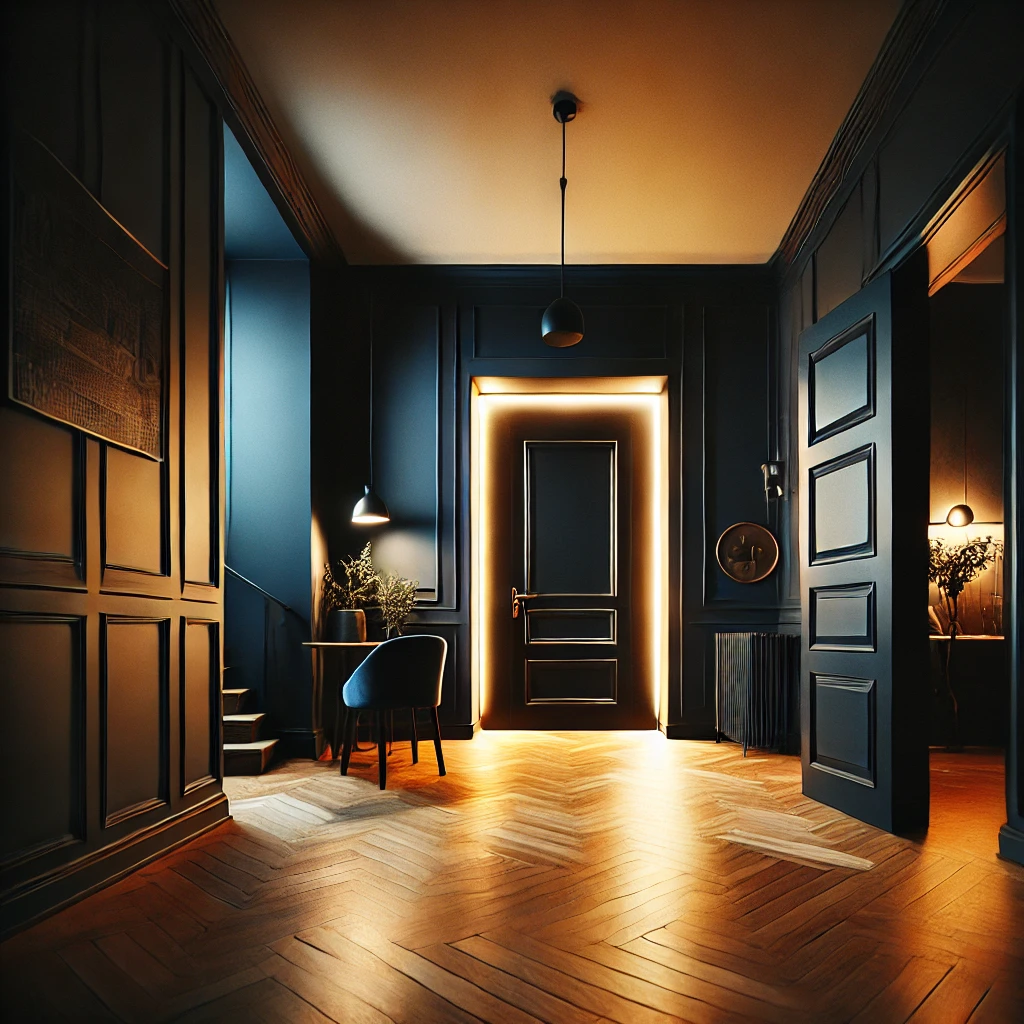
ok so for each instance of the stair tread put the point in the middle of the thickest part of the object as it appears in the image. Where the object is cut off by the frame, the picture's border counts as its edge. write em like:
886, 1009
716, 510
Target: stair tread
255, 745
245, 716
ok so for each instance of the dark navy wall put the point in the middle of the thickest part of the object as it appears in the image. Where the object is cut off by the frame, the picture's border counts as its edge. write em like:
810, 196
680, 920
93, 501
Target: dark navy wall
709, 330
268, 509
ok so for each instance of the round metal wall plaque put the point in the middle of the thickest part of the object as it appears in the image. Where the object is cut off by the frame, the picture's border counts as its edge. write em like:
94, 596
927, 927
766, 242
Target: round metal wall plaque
747, 552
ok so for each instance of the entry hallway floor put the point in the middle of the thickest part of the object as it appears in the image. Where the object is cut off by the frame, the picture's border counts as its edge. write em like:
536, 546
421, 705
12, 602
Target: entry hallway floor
555, 877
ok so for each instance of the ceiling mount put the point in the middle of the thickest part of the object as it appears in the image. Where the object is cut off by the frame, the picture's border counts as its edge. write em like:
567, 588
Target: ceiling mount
564, 106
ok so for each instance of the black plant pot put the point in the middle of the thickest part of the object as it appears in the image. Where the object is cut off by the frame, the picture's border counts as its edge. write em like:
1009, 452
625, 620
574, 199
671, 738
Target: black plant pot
345, 626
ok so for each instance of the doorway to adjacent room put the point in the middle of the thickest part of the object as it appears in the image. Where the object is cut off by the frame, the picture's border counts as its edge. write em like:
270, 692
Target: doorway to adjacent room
569, 533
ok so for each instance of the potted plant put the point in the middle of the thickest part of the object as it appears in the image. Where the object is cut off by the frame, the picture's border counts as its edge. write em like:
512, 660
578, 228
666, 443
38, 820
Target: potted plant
951, 567
347, 591
395, 596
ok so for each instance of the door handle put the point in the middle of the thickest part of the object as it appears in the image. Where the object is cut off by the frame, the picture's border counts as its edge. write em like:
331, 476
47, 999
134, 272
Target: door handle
516, 598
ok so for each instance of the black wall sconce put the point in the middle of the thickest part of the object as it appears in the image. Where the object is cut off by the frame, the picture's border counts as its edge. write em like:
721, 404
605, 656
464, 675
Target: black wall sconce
774, 480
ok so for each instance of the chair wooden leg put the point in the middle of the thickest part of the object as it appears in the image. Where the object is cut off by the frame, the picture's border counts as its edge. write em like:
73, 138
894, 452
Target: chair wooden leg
351, 721
340, 721
382, 748
415, 738
437, 744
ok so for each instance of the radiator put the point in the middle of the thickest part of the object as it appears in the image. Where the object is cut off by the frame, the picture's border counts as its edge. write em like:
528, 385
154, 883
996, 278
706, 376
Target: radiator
754, 674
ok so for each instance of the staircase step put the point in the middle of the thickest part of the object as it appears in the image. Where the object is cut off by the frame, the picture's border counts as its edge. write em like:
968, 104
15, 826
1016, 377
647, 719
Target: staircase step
243, 728
234, 700
248, 758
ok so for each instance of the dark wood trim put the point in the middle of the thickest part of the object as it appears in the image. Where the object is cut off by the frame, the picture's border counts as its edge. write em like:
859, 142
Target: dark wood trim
130, 812
682, 731
27, 903
904, 41
210, 37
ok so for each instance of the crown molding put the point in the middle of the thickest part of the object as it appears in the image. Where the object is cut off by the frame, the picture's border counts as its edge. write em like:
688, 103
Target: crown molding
208, 34
905, 40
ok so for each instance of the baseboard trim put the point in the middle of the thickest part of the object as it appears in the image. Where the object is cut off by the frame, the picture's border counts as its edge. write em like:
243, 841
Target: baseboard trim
1011, 844
39, 897
681, 731
459, 732
298, 742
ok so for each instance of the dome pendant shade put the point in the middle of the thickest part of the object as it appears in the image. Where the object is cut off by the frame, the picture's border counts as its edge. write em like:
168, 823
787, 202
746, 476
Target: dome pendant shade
960, 515
370, 508
562, 324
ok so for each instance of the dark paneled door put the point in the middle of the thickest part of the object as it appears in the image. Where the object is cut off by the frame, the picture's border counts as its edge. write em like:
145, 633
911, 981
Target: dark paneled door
863, 540
565, 644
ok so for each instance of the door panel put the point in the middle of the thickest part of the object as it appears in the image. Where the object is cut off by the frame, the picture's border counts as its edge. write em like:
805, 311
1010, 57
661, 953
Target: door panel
570, 502
863, 538
565, 534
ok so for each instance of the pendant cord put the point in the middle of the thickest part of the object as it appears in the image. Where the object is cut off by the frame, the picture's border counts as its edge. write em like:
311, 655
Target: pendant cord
561, 184
371, 395
965, 449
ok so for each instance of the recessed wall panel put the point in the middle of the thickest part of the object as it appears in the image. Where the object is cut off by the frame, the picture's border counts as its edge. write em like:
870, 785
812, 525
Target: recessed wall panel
38, 496
842, 513
843, 726
571, 682
843, 617
200, 695
132, 512
406, 352
570, 502
134, 715
41, 742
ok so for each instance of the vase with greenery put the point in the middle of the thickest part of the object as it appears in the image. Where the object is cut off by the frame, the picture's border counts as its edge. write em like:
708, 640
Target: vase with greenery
395, 596
348, 590
951, 567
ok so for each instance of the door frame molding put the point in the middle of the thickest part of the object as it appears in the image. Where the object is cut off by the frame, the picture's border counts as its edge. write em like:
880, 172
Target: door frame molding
489, 390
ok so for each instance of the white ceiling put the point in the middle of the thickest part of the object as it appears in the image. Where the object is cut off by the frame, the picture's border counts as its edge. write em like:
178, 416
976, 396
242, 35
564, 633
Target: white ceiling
425, 130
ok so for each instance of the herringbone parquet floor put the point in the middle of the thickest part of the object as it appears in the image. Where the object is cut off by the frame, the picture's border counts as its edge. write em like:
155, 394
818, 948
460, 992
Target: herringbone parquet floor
554, 877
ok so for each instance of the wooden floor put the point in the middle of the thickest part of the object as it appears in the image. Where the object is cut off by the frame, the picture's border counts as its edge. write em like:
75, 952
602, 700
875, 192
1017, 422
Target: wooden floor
564, 878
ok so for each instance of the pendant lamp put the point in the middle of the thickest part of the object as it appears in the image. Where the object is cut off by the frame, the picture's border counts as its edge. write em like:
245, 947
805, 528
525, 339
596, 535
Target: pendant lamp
370, 508
562, 323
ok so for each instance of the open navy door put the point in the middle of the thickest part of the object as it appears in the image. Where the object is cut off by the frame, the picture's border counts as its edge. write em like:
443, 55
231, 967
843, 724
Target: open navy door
864, 435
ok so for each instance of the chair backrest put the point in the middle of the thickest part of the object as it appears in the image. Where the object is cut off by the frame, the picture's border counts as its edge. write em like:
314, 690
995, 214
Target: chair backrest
401, 673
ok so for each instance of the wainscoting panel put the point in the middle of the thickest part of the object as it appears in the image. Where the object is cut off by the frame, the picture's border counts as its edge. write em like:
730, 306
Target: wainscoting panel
42, 517
134, 715
42, 698
134, 504
200, 703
